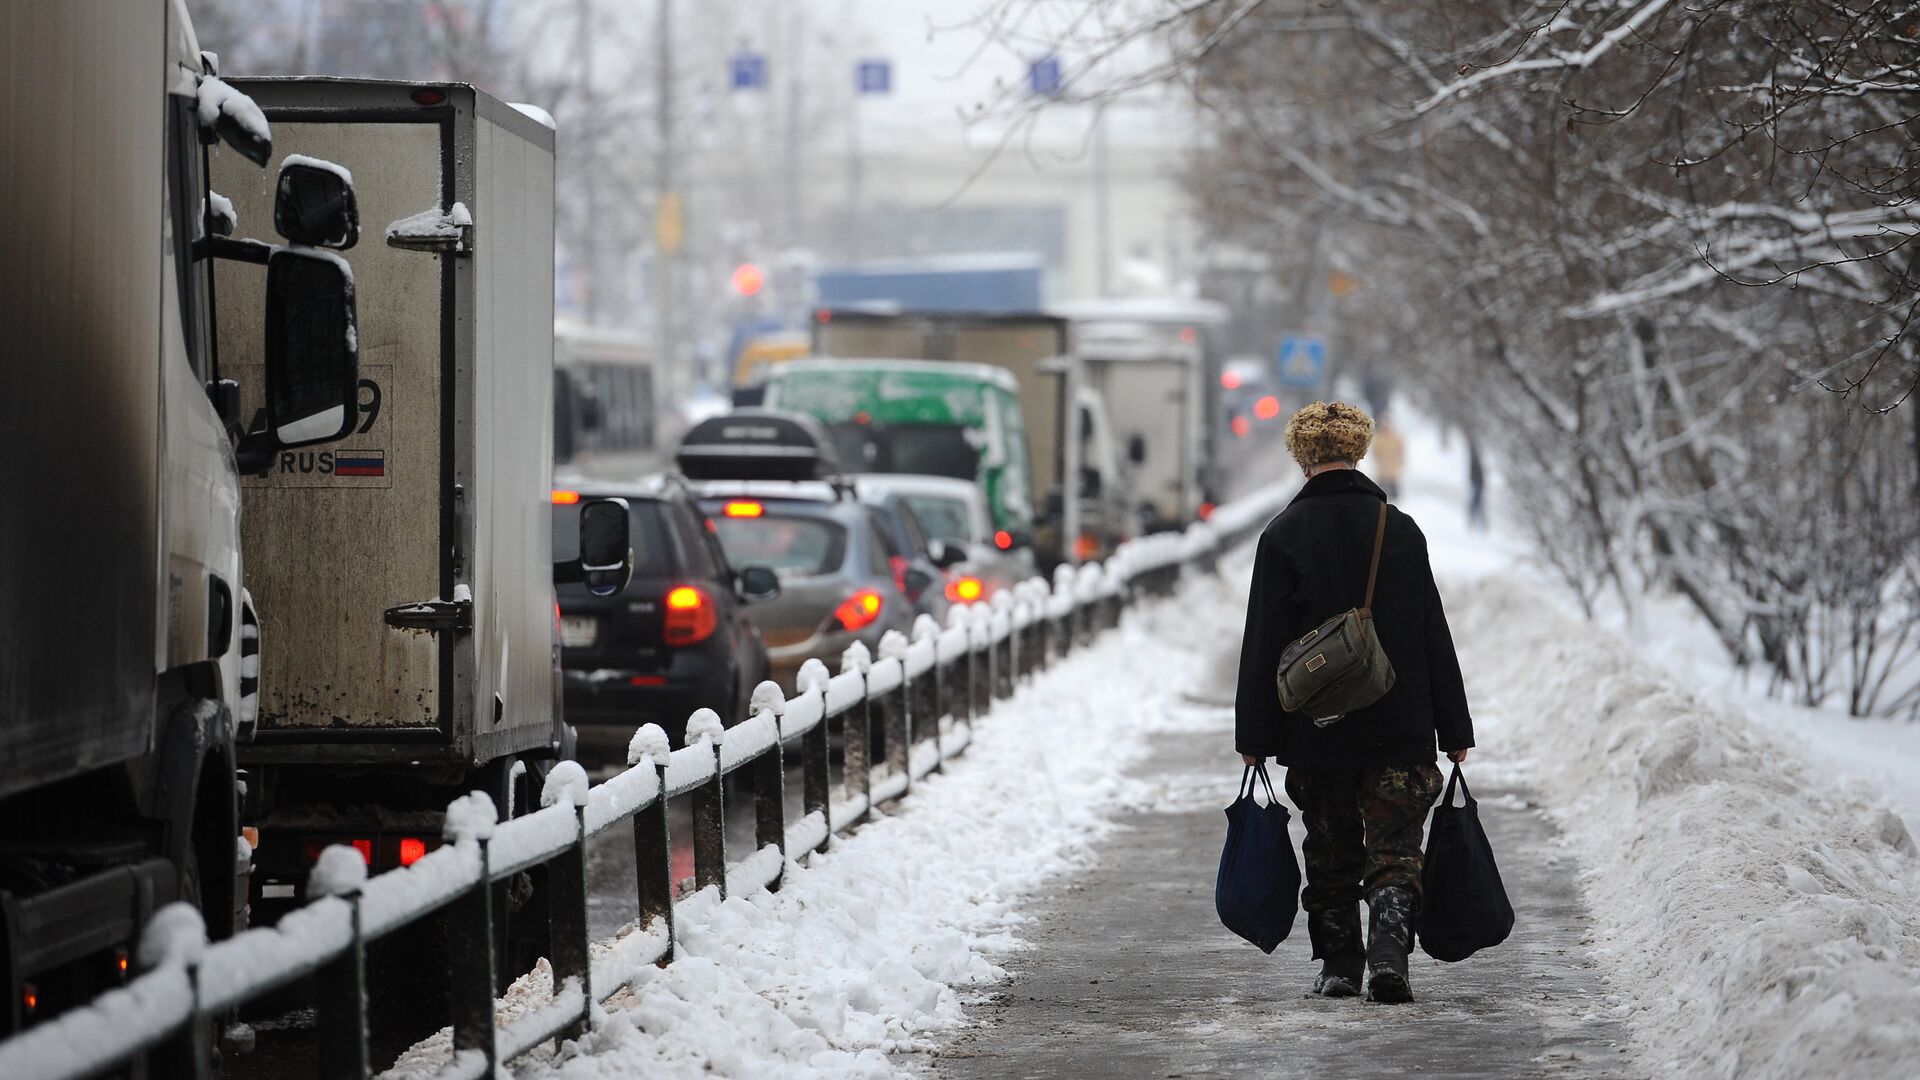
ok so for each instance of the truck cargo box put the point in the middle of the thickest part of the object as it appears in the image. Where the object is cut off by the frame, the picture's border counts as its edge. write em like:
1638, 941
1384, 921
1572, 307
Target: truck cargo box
403, 576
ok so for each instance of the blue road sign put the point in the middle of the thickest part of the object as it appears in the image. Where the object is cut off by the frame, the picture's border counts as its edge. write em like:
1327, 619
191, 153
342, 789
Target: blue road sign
1045, 77
748, 70
1301, 363
873, 77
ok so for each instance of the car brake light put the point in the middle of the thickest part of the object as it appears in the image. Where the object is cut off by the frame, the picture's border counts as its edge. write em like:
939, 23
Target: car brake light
898, 564
646, 680
742, 509
965, 590
691, 617
1206, 511
1003, 540
565, 498
1240, 426
858, 611
411, 849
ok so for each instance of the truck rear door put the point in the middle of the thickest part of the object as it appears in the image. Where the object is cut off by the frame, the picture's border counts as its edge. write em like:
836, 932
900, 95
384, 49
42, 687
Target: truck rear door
336, 535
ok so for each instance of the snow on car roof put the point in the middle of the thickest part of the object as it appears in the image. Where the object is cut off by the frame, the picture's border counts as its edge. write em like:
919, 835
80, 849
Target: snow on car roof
998, 376
802, 490
918, 484
1141, 309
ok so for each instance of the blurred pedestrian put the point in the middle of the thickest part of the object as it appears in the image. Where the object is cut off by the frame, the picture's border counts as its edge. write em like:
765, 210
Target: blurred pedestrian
1476, 488
1389, 456
1363, 782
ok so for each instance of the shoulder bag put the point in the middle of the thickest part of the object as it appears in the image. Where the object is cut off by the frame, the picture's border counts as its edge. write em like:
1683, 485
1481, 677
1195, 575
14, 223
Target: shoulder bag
1338, 666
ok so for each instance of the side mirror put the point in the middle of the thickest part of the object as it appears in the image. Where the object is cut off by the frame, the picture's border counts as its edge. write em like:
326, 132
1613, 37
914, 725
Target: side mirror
916, 581
312, 348
314, 204
237, 121
606, 554
1136, 449
946, 554
758, 584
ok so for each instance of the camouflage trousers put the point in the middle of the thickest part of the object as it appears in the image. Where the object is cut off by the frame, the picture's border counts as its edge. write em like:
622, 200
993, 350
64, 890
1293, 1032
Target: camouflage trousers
1363, 829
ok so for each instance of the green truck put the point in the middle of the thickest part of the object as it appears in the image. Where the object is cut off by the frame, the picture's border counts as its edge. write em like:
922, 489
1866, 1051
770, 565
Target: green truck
922, 416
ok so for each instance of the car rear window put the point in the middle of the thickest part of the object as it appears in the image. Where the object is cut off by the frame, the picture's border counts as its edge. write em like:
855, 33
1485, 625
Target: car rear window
784, 542
930, 449
652, 551
943, 518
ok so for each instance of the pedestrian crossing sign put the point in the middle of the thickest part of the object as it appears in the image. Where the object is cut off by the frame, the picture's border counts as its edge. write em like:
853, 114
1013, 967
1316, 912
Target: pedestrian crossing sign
1302, 362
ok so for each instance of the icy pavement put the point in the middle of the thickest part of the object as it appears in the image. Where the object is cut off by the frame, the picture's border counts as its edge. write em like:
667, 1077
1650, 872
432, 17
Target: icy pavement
1129, 974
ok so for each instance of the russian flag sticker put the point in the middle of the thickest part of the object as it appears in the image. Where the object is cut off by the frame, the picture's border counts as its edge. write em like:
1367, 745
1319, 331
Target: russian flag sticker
360, 463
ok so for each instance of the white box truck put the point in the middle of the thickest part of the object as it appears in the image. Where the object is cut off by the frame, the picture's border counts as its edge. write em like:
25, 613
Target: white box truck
126, 634
1152, 360
409, 625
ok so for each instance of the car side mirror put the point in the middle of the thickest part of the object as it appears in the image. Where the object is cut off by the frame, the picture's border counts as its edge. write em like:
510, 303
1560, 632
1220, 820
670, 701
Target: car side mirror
1136, 449
312, 348
314, 204
946, 554
917, 581
606, 552
758, 584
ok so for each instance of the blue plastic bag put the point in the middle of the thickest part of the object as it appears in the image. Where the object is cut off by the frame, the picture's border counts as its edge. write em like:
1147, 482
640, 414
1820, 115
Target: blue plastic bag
1258, 891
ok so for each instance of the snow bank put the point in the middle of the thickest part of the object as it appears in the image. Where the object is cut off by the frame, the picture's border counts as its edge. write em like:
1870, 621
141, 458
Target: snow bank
1756, 918
864, 952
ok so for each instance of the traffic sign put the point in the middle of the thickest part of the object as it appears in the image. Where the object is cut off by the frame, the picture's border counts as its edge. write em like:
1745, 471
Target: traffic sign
873, 77
748, 70
1301, 363
1045, 78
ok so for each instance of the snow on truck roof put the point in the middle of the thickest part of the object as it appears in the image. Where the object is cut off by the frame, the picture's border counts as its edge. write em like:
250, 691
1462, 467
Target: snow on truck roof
986, 373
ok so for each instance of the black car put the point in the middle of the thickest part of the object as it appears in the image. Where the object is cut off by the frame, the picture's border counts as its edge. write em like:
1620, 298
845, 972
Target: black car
678, 639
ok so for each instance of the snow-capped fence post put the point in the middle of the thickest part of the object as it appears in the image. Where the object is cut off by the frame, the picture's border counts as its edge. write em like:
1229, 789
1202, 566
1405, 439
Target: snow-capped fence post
340, 986
567, 892
1000, 641
856, 732
652, 844
925, 703
770, 772
470, 964
815, 775
980, 649
959, 678
1064, 599
895, 706
709, 806
177, 935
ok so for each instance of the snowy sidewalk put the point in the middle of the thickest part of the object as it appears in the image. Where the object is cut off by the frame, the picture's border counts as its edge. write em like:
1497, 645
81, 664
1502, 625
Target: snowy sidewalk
1131, 975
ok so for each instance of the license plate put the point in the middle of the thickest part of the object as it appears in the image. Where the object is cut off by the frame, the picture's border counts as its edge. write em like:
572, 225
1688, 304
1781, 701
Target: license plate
578, 631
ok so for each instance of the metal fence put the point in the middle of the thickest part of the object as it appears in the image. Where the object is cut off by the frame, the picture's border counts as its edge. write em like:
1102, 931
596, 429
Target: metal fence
922, 693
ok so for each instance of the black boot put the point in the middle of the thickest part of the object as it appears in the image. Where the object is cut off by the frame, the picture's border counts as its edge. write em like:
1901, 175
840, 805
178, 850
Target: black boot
1335, 934
1389, 936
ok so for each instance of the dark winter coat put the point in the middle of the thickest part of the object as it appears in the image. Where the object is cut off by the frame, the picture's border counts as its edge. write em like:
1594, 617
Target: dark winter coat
1311, 566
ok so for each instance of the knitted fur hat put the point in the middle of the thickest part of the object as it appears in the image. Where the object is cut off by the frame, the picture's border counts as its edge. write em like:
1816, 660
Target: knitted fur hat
1328, 431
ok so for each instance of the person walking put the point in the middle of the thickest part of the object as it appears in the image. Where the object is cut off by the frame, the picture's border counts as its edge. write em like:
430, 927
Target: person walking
1363, 782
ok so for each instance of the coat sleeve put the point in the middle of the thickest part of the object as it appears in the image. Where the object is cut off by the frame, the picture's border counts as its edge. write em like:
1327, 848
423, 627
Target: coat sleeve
1256, 703
1452, 721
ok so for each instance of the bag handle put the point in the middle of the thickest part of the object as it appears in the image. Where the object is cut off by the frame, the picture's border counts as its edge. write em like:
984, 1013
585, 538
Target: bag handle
1247, 780
1373, 569
1456, 778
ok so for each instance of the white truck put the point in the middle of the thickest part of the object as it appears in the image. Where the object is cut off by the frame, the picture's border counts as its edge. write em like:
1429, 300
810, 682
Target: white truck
126, 631
1151, 360
410, 646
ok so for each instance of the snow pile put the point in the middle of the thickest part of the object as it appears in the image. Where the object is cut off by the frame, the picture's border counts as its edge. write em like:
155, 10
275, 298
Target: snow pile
863, 951
433, 226
1757, 919
215, 99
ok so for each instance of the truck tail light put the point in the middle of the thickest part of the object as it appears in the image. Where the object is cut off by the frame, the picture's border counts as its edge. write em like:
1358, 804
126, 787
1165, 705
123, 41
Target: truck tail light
859, 611
691, 616
965, 590
411, 849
